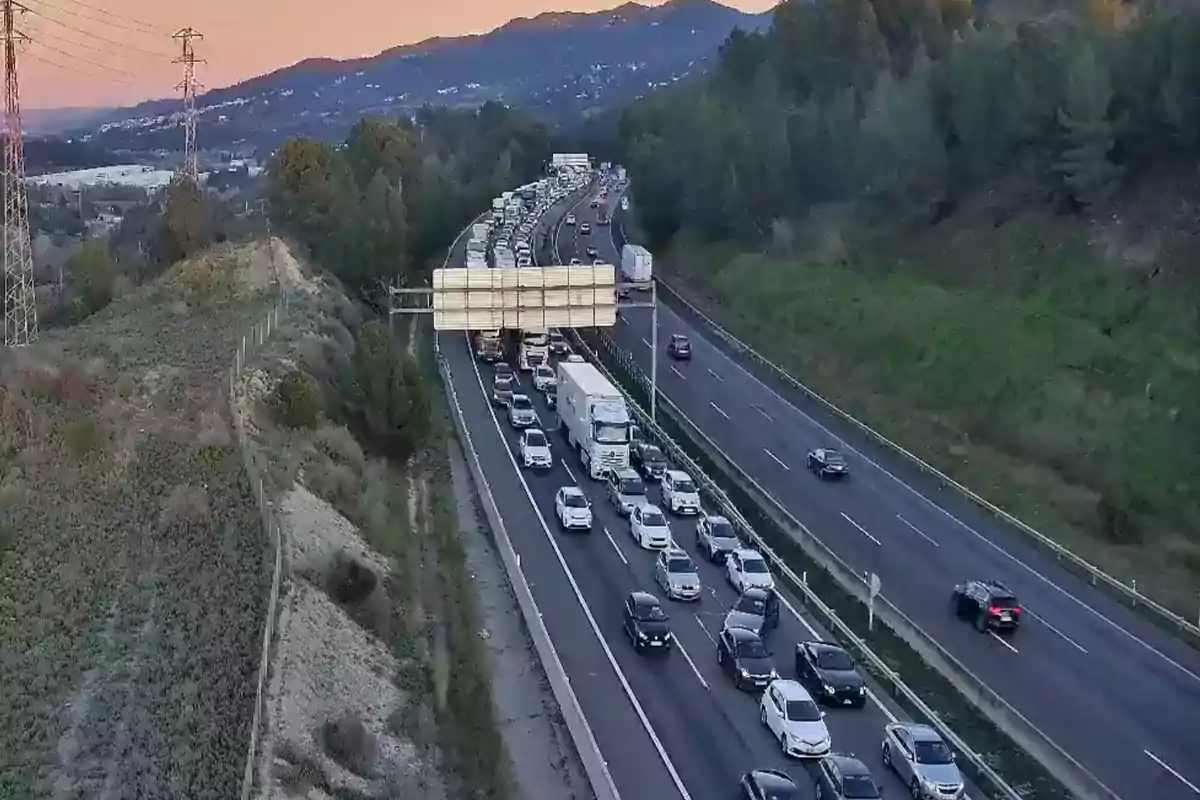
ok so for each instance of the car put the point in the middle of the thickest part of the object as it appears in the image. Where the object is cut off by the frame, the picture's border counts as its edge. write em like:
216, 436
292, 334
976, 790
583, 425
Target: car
716, 538
570, 219
595, 202
557, 342
843, 777
646, 624
755, 610
677, 575
502, 392
535, 449
787, 710
503, 369
988, 604
575, 262
919, 757
679, 493
593, 251
521, 413
744, 655
829, 673
679, 348
597, 262
544, 377
648, 460
649, 527
745, 568
573, 509
625, 490
768, 784
585, 229
824, 462
524, 261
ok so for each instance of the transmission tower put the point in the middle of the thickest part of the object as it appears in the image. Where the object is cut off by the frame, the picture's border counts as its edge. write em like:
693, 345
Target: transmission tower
20, 302
189, 85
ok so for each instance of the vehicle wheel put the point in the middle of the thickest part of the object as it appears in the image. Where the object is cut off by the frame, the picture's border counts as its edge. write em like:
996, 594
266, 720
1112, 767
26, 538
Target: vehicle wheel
820, 792
887, 756
762, 715
915, 788
981, 622
783, 744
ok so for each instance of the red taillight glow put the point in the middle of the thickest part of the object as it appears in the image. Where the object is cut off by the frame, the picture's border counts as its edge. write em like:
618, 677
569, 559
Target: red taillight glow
997, 610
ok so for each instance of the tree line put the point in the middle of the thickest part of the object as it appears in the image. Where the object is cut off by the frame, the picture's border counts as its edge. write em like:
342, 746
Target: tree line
907, 107
382, 204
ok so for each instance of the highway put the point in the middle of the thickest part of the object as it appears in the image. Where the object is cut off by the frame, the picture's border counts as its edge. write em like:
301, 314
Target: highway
667, 726
1118, 694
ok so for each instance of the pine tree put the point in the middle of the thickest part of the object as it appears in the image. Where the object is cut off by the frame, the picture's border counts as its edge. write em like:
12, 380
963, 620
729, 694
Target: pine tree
1085, 163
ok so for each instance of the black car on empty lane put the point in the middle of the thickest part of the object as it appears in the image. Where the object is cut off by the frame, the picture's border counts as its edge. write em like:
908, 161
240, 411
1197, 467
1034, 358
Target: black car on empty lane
990, 605
827, 463
646, 624
828, 672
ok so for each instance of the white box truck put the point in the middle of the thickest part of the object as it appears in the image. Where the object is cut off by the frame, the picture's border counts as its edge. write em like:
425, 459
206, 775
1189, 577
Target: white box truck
476, 260
637, 265
504, 258
480, 230
594, 417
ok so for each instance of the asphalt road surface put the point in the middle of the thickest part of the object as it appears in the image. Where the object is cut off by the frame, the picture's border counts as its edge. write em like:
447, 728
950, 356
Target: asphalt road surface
1118, 694
667, 727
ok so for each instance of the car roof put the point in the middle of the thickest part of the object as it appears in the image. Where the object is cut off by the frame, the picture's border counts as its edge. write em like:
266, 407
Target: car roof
919, 732
743, 634
717, 519
745, 552
644, 599
502, 382
528, 431
824, 647
520, 396
626, 472
546, 367
571, 490
678, 475
791, 690
650, 507
849, 765
773, 779
756, 591
674, 550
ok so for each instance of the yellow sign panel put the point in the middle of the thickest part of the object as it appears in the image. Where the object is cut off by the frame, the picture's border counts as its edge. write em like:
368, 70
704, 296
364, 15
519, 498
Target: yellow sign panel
525, 297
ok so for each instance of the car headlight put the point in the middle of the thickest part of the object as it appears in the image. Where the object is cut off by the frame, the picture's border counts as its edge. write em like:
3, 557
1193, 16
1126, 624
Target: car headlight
641, 635
745, 672
828, 689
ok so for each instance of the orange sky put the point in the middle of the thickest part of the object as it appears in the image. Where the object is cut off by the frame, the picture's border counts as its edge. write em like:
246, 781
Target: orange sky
111, 52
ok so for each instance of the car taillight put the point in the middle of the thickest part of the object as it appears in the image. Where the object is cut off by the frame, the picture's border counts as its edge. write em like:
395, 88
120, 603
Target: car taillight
997, 610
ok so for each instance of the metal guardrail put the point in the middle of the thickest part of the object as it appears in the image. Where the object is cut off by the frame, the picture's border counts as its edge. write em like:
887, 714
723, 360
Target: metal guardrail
594, 765
1077, 779
1094, 573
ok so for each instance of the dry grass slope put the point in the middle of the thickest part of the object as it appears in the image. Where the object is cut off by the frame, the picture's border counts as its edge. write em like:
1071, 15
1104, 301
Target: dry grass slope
134, 568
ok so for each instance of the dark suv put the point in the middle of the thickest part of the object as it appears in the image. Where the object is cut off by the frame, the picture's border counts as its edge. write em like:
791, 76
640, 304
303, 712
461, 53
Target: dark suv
989, 604
679, 347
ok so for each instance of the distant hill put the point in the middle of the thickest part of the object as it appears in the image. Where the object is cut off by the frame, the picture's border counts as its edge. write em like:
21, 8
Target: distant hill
51, 121
558, 65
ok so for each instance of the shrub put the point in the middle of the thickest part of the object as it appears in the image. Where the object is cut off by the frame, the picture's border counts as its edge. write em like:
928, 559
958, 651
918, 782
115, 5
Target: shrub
390, 400
339, 444
349, 582
336, 484
298, 401
350, 744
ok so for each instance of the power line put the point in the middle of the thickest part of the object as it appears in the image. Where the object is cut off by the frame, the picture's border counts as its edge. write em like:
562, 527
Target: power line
88, 61
115, 48
125, 46
149, 29
99, 20
41, 59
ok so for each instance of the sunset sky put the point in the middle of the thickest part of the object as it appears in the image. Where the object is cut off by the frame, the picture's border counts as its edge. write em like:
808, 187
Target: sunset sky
117, 52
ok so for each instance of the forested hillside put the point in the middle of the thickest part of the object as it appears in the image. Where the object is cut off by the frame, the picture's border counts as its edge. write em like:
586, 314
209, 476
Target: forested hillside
390, 198
980, 234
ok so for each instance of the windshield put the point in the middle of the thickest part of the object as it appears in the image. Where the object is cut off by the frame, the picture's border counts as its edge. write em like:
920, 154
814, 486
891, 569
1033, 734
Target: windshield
834, 660
681, 566
574, 501
633, 486
933, 753
652, 453
752, 605
754, 566
521, 403
802, 711
556, 337
534, 339
535, 440
751, 648
653, 519
685, 487
502, 385
721, 529
859, 787
611, 432
834, 457
651, 614
545, 371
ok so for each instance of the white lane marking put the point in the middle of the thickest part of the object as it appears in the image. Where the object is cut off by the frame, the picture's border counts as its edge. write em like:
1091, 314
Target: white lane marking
918, 531
861, 529
613, 542
715, 375
622, 320
717, 408
1004, 642
645, 342
1051, 584
1052, 629
775, 458
1168, 768
563, 461
691, 664
587, 611
680, 374
766, 416
700, 622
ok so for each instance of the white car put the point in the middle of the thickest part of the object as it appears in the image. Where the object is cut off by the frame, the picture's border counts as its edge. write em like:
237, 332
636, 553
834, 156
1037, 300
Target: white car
573, 509
649, 527
544, 378
535, 449
575, 262
570, 219
745, 568
794, 720
679, 493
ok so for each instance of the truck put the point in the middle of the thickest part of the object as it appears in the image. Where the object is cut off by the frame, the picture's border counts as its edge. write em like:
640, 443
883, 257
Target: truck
593, 416
489, 346
534, 349
504, 258
604, 217
637, 265
498, 210
480, 230
476, 260
620, 174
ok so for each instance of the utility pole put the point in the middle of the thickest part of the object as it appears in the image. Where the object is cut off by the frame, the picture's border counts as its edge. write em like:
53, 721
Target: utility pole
20, 302
189, 60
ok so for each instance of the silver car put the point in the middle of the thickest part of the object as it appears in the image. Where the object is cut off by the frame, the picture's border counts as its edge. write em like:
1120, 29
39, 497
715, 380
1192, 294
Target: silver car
625, 490
677, 575
918, 755
715, 537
